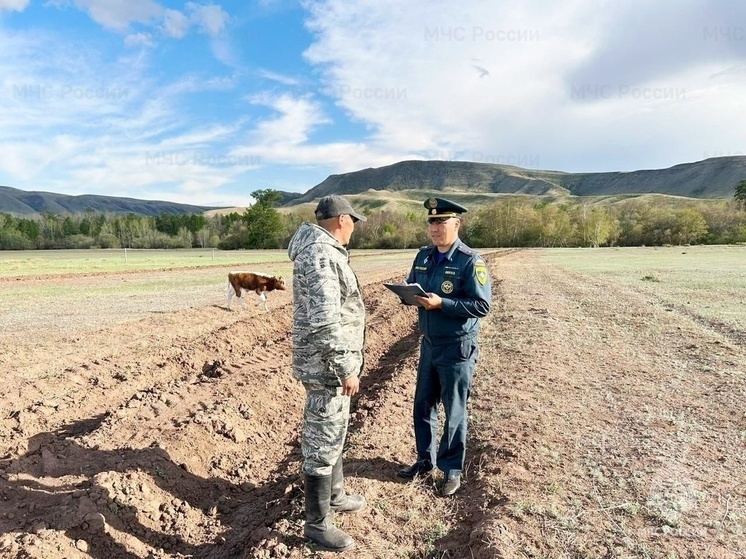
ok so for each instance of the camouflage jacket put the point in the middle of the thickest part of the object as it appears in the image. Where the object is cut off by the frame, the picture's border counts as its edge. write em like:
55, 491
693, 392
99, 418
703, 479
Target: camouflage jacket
328, 311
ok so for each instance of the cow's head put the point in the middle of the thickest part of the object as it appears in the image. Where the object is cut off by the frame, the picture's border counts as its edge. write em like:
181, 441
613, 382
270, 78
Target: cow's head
279, 282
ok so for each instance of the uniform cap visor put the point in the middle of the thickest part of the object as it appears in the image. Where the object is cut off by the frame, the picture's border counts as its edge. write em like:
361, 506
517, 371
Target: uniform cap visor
443, 216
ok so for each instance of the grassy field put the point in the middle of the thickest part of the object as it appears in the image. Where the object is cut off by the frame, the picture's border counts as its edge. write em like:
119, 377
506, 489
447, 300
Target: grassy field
42, 262
145, 277
709, 280
50, 262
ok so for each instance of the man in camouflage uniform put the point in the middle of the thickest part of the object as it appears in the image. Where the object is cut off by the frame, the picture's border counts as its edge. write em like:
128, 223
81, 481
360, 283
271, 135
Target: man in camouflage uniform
328, 333
458, 287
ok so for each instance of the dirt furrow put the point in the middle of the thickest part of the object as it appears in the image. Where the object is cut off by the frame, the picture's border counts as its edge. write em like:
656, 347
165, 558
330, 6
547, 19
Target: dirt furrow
189, 440
617, 423
603, 423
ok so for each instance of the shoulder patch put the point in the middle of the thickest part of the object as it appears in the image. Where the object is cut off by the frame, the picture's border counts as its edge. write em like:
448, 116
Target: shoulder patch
480, 271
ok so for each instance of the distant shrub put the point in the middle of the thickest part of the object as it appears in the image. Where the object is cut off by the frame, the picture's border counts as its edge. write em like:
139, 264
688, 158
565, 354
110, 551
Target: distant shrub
79, 241
10, 239
107, 240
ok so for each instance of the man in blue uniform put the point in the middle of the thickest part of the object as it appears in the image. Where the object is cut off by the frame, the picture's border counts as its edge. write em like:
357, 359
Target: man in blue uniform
458, 286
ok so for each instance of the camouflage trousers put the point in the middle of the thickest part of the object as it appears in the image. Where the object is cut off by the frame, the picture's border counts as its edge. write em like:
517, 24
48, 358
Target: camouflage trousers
325, 420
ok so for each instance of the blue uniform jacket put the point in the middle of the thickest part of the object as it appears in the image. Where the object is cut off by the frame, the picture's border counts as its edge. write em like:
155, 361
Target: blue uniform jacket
462, 281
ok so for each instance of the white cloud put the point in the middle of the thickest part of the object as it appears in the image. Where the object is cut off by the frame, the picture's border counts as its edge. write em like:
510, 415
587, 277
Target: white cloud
413, 77
139, 40
284, 139
224, 53
118, 15
277, 77
667, 39
581, 84
210, 18
175, 24
15, 5
26, 160
297, 118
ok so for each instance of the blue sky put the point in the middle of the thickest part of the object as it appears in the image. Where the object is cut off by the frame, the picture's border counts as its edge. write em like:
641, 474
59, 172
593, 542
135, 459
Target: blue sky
201, 102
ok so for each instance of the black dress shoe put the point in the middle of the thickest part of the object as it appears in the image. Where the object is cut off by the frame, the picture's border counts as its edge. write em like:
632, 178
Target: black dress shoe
419, 468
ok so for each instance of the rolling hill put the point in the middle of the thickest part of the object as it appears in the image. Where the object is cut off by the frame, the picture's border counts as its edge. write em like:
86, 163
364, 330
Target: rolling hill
25, 203
712, 178
407, 183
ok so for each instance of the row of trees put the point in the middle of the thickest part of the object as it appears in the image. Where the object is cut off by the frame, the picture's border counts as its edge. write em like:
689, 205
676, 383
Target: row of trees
515, 222
52, 231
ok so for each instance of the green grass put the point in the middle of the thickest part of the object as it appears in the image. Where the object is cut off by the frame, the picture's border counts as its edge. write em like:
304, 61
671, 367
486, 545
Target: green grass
710, 281
44, 262
89, 292
650, 259
51, 262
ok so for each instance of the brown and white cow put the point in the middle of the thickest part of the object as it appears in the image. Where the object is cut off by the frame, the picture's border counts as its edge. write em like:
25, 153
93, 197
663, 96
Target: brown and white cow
251, 281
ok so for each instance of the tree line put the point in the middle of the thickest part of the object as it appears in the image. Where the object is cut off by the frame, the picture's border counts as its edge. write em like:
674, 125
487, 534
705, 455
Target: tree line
512, 222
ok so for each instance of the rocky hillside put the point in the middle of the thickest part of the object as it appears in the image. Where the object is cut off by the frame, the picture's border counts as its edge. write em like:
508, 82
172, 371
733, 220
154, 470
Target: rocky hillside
712, 178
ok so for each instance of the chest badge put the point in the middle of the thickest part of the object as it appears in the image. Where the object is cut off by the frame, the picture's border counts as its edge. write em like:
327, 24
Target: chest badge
446, 287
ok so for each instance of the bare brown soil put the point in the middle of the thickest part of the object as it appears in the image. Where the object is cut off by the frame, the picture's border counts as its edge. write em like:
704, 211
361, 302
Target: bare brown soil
604, 424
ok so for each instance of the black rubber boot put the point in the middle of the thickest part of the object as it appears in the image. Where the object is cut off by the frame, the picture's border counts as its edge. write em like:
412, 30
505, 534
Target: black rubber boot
319, 527
341, 501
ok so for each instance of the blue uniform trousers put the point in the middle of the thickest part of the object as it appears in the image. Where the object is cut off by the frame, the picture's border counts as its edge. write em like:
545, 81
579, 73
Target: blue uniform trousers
444, 375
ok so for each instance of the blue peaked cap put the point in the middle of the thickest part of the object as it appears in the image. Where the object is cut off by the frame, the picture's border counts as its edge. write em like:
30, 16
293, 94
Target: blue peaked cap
440, 207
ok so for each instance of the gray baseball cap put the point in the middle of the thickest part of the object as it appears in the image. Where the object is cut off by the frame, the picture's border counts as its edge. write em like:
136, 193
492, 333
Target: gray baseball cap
332, 206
